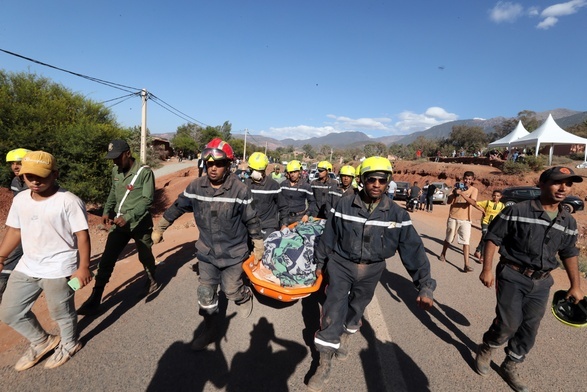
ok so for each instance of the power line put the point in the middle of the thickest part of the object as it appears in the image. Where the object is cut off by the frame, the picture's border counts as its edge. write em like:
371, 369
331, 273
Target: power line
156, 98
101, 81
133, 92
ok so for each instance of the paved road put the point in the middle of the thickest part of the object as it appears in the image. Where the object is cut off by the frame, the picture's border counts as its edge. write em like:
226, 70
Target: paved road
144, 346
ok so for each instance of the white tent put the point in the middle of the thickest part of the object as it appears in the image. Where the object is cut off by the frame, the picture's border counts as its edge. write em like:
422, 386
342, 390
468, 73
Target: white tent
514, 135
550, 134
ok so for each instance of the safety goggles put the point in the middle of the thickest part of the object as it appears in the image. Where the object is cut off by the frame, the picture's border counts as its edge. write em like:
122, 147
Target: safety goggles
321, 170
213, 154
373, 180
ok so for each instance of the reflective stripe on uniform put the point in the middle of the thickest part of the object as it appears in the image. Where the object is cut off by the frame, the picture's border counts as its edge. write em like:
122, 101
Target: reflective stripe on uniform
297, 190
216, 199
542, 222
266, 191
366, 222
324, 343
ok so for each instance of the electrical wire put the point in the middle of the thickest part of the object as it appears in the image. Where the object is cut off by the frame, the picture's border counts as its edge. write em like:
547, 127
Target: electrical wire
156, 98
101, 81
124, 96
127, 98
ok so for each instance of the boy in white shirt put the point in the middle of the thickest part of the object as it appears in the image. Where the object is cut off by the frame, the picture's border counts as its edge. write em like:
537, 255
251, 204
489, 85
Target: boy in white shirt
52, 225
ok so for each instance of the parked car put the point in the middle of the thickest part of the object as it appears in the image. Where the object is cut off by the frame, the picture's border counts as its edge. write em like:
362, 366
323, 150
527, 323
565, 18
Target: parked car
401, 193
517, 194
441, 193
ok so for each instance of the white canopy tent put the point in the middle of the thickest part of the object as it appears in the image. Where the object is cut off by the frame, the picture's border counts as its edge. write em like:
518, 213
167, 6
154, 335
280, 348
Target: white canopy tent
518, 132
550, 134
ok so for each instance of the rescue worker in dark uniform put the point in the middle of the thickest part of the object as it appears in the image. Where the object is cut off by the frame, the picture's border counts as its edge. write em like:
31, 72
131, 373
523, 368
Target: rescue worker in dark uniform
323, 188
271, 206
346, 175
298, 194
226, 220
127, 211
364, 230
17, 185
529, 235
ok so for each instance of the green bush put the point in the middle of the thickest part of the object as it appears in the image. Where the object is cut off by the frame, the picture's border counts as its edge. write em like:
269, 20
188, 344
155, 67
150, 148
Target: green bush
515, 168
535, 163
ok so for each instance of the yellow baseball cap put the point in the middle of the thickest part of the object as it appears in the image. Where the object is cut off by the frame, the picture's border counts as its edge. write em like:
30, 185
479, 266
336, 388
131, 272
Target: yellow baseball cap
39, 163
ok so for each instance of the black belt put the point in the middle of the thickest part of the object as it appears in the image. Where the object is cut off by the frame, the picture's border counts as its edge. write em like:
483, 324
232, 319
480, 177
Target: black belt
297, 213
527, 271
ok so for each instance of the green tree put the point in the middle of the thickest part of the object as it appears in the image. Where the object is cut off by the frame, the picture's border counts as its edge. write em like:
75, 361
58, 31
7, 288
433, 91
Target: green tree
375, 149
471, 139
503, 129
309, 150
185, 137
529, 120
38, 114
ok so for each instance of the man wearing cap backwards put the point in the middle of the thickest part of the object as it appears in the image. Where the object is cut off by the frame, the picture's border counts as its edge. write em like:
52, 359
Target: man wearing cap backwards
271, 206
17, 185
226, 220
529, 235
127, 211
364, 230
52, 225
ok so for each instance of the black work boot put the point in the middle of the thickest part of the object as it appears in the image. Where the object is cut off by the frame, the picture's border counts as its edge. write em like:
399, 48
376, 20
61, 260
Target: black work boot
92, 304
245, 305
208, 335
322, 375
483, 359
151, 285
509, 372
342, 353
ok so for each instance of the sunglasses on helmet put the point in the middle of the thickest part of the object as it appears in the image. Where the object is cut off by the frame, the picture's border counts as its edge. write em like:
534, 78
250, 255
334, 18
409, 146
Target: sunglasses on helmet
213, 154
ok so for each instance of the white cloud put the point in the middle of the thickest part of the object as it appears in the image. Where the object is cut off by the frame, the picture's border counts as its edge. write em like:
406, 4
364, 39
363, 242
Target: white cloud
551, 14
347, 123
504, 11
372, 126
413, 122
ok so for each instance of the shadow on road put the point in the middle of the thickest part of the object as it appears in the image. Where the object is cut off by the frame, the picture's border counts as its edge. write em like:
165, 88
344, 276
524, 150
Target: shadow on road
387, 367
181, 369
124, 298
261, 368
450, 247
404, 289
311, 315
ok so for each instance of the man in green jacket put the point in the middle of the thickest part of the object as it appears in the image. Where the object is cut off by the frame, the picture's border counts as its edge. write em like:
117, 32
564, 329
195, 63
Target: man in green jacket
127, 211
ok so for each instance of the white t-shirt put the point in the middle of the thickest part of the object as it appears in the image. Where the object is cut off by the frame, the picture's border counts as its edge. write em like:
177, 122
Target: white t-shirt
47, 230
392, 187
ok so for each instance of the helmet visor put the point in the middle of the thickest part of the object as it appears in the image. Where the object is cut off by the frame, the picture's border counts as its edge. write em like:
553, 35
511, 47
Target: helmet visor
213, 154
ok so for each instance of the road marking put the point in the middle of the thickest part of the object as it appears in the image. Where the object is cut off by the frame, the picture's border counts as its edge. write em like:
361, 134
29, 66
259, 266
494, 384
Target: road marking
392, 375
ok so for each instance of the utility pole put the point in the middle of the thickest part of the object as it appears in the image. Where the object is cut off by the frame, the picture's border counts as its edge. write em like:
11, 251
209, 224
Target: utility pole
143, 155
245, 147
265, 147
331, 155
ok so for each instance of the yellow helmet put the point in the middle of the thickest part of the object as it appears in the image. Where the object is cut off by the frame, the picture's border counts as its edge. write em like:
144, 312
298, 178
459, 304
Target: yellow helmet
293, 166
258, 161
358, 170
16, 155
324, 165
373, 164
347, 171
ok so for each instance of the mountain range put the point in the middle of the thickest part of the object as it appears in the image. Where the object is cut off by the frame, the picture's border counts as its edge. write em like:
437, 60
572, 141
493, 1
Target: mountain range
564, 118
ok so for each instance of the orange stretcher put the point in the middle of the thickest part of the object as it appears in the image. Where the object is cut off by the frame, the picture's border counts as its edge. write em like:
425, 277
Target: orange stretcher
275, 291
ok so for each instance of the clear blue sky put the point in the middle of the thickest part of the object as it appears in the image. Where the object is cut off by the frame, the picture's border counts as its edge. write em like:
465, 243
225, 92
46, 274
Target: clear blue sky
306, 68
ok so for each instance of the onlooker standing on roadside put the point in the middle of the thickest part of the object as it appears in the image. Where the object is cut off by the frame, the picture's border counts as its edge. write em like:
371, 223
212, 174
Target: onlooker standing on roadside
423, 196
17, 185
430, 196
489, 209
226, 220
528, 235
52, 225
277, 175
464, 195
271, 206
127, 211
391, 188
366, 229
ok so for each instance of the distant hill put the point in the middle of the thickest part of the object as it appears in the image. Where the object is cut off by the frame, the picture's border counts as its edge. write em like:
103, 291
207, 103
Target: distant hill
564, 118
